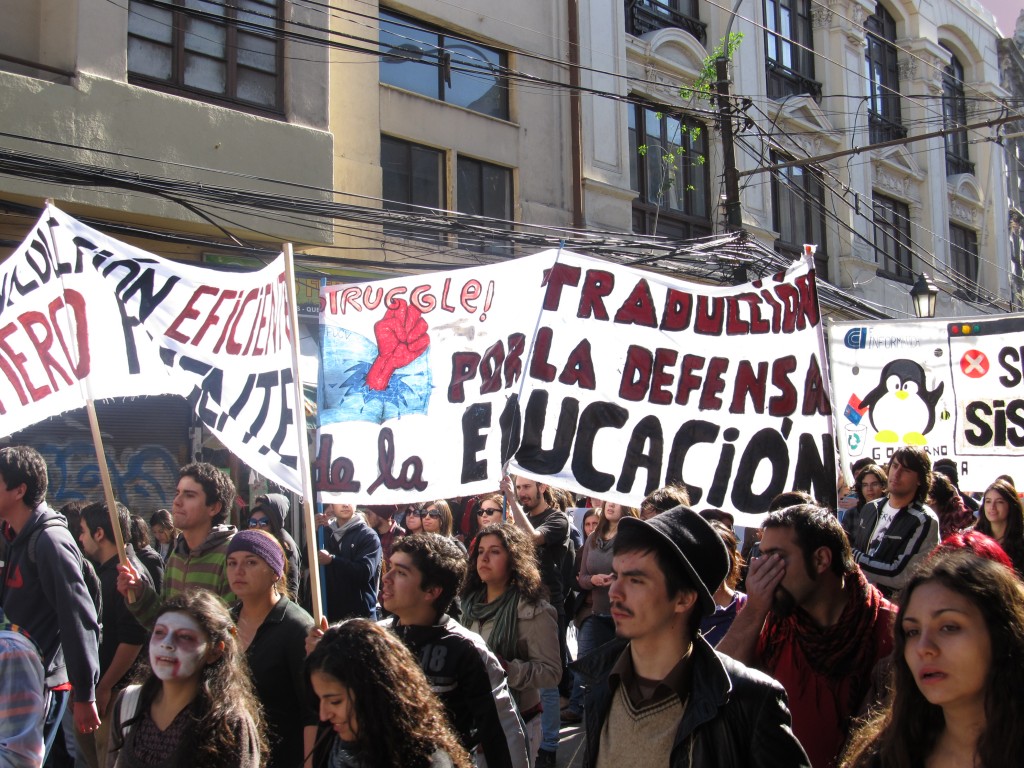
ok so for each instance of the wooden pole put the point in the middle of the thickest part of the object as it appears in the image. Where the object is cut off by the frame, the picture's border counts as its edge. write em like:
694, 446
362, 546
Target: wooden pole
300, 428
97, 442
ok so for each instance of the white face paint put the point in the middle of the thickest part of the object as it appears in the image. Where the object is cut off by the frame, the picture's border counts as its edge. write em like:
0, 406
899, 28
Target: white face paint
178, 646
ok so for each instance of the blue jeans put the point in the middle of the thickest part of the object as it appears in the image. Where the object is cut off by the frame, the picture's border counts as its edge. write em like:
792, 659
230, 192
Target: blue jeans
595, 632
550, 719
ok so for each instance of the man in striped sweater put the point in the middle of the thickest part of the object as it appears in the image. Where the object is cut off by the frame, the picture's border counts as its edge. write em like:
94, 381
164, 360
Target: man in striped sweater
201, 505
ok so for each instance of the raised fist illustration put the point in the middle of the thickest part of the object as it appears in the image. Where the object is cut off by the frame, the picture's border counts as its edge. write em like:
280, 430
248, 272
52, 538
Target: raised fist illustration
401, 338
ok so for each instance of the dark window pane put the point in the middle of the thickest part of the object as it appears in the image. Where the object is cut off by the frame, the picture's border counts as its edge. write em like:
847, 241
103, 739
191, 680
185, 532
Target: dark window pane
484, 189
798, 212
884, 115
427, 189
892, 237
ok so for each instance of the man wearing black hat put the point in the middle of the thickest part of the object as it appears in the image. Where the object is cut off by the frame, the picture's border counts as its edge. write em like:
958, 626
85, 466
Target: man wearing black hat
659, 694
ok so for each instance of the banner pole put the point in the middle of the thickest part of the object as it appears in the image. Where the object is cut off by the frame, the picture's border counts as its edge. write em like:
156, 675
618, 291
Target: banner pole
108, 488
300, 429
97, 440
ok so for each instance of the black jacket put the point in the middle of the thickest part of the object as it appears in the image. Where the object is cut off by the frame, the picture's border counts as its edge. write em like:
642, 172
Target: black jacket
914, 533
736, 717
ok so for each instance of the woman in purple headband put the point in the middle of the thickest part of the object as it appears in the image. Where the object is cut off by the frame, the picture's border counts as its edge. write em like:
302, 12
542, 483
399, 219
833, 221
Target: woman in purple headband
272, 632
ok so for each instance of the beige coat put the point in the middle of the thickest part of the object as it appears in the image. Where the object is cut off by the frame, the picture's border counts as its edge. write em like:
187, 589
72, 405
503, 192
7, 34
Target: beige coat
539, 662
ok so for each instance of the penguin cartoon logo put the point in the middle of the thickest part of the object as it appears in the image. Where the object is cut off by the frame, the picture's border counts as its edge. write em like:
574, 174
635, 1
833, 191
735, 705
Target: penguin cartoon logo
901, 404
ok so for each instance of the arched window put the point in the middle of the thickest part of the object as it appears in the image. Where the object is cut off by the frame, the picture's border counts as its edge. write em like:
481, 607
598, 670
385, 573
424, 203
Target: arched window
884, 117
954, 114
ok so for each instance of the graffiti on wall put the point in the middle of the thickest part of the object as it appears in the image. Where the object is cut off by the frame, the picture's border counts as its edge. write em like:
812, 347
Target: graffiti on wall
143, 477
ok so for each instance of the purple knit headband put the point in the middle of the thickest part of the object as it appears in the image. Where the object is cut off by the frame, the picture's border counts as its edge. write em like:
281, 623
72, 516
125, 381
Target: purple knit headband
261, 545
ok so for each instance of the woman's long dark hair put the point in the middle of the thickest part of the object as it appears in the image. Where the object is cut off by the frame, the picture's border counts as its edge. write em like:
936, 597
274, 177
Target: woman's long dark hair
870, 469
1013, 539
400, 720
524, 572
905, 732
226, 697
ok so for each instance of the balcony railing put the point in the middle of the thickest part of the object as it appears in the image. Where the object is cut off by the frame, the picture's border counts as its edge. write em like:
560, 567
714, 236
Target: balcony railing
955, 165
643, 16
784, 81
883, 129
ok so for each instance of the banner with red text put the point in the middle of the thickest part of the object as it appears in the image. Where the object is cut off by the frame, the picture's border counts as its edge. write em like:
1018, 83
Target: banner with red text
599, 378
78, 307
951, 387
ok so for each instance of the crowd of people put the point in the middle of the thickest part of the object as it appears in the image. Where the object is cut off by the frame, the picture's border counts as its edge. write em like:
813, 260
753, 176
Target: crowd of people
885, 633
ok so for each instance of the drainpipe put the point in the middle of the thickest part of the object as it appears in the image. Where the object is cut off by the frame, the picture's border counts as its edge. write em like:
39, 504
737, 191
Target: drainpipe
576, 116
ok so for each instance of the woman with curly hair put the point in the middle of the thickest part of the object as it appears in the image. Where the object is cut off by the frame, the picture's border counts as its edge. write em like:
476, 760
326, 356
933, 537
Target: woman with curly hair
958, 685
196, 705
503, 601
1002, 518
945, 501
376, 706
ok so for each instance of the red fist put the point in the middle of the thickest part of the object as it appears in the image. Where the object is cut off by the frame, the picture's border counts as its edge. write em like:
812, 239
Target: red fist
401, 338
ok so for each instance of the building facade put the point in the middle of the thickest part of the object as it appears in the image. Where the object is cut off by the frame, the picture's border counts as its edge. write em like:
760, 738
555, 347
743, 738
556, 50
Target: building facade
812, 81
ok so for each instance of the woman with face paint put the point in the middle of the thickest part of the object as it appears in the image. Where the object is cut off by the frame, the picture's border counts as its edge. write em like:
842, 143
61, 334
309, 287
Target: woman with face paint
376, 706
196, 706
272, 633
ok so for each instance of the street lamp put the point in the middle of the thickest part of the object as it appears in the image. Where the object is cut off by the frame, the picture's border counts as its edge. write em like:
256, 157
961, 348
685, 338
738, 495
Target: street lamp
924, 293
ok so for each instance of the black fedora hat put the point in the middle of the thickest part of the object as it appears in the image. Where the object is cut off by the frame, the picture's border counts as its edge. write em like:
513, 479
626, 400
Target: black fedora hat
696, 546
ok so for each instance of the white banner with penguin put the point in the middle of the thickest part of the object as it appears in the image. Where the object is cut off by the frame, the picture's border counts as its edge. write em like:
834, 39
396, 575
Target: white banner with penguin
952, 387
600, 378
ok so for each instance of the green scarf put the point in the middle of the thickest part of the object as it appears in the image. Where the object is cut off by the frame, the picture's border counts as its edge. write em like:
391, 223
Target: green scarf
504, 612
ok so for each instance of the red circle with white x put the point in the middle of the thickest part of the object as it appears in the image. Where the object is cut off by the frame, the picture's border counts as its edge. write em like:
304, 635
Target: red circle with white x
974, 363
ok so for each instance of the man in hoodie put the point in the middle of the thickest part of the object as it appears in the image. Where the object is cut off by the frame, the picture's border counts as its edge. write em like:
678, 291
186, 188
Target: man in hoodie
51, 603
201, 504
269, 512
352, 558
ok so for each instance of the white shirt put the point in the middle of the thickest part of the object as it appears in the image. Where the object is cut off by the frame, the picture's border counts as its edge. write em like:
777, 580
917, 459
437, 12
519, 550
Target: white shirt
885, 519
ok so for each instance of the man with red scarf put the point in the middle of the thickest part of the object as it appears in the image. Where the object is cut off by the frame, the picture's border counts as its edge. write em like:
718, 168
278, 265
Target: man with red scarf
814, 623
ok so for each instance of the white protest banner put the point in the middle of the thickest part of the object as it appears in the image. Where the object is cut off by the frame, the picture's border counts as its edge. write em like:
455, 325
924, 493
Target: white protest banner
607, 374
638, 380
418, 381
952, 387
76, 304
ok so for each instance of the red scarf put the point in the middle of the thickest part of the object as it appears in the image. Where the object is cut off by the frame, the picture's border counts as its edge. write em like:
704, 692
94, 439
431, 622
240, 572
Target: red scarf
845, 649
